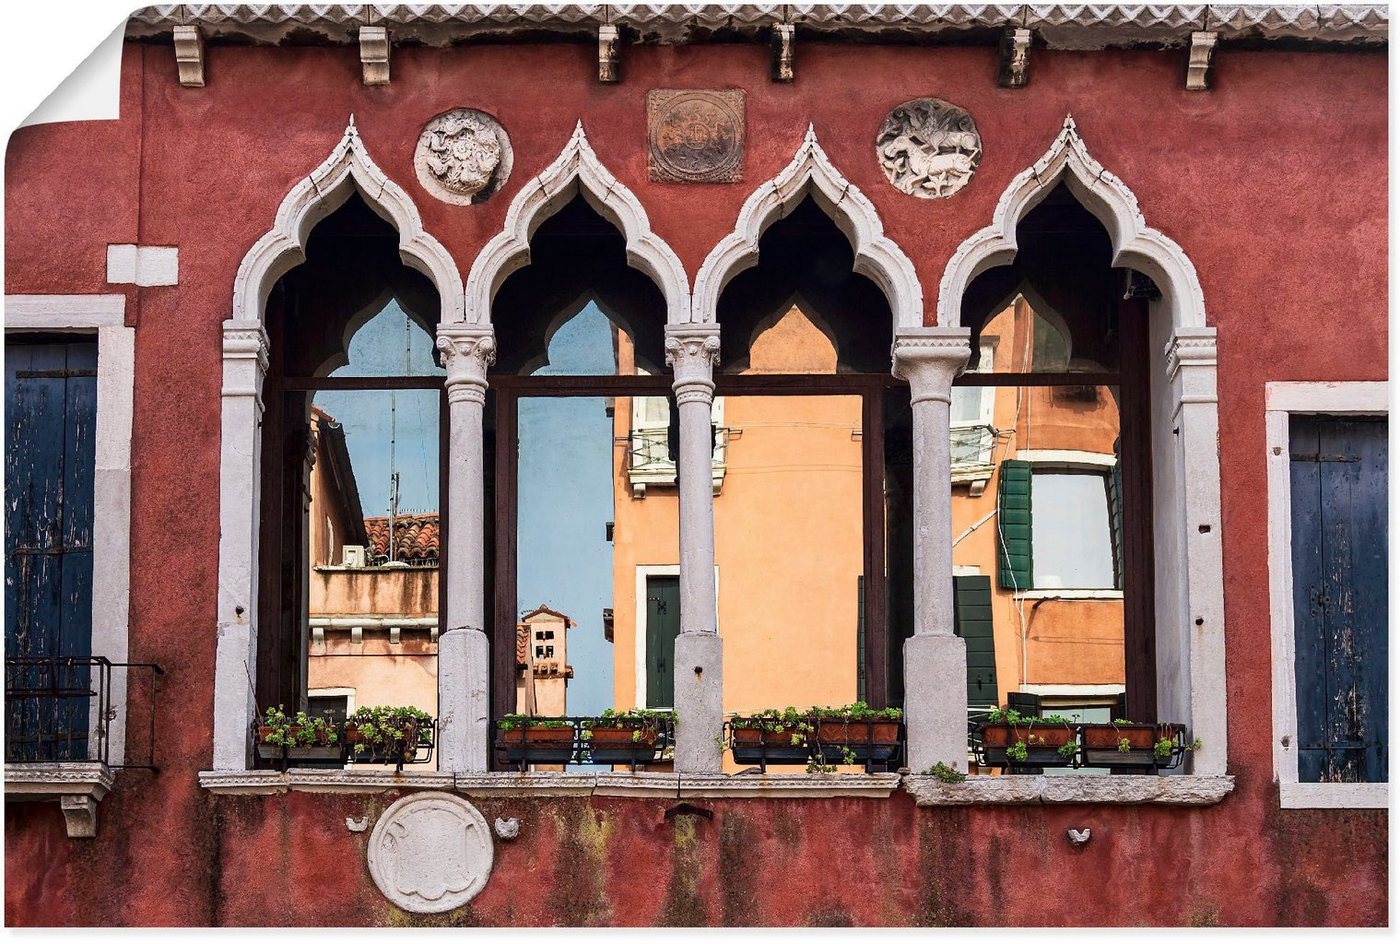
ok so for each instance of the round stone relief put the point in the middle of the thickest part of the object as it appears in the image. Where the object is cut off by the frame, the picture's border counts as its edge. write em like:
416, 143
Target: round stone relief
463, 156
929, 148
430, 852
695, 135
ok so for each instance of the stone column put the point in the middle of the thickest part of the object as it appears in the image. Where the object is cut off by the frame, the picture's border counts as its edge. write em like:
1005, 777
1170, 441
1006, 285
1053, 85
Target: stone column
692, 351
236, 650
1199, 640
464, 649
935, 660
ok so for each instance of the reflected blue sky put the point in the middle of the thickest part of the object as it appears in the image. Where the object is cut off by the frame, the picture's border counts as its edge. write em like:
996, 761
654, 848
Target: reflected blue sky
389, 344
565, 500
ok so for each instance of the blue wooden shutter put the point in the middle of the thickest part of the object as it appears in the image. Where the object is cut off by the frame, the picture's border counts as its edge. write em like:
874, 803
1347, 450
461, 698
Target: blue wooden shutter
1338, 472
1014, 525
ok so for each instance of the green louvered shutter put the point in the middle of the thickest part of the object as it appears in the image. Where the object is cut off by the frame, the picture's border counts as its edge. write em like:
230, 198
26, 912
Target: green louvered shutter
972, 620
1014, 525
1115, 517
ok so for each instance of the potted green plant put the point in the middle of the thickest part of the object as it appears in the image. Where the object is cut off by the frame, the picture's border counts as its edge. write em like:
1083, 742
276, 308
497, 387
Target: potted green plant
771, 736
1011, 739
297, 737
530, 740
383, 734
625, 737
857, 732
1124, 743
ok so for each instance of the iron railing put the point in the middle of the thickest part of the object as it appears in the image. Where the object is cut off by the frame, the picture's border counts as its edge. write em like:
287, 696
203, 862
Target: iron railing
60, 708
586, 740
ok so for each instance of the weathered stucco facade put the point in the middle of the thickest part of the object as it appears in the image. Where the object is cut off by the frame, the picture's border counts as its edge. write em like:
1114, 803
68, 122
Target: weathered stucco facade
1273, 182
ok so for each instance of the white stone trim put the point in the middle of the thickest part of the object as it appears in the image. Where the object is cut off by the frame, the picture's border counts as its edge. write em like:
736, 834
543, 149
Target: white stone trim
1067, 458
811, 173
316, 196
129, 264
1135, 244
575, 171
1067, 594
1038, 789
340, 692
1056, 691
1281, 401
77, 787
103, 315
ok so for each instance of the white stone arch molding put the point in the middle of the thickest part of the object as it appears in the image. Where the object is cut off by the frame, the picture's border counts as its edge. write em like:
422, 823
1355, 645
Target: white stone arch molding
315, 197
1135, 244
575, 171
810, 172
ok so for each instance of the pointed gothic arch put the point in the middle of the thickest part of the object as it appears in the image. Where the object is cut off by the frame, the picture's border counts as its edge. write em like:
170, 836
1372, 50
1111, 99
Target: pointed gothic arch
1135, 244
319, 194
576, 171
811, 173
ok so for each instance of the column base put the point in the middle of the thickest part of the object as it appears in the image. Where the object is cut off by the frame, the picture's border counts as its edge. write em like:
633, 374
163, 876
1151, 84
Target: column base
935, 701
699, 688
464, 701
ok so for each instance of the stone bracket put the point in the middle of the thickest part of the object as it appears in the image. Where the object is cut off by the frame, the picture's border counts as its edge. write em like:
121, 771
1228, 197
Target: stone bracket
374, 55
189, 55
784, 39
608, 54
77, 786
1014, 68
1199, 60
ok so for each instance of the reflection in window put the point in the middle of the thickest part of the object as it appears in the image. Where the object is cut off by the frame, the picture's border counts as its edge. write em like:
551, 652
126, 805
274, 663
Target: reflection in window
1072, 538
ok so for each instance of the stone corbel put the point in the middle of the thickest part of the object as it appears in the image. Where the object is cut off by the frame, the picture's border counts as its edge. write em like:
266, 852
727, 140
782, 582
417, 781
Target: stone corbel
1015, 58
608, 54
1200, 57
189, 55
374, 54
784, 37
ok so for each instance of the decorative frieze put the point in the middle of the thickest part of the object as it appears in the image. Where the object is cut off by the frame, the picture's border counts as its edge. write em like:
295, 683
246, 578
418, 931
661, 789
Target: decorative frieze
1015, 58
695, 135
463, 156
430, 852
374, 55
189, 55
929, 148
1198, 60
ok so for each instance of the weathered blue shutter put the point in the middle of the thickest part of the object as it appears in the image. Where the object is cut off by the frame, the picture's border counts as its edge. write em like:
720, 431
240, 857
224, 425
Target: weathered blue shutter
1338, 471
972, 620
1014, 525
50, 457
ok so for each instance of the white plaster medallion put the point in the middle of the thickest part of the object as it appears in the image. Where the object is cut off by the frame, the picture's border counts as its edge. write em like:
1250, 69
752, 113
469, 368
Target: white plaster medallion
430, 852
929, 148
463, 156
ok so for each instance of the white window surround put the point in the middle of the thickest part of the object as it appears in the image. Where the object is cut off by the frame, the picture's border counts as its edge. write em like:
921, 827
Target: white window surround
1067, 594
1071, 691
1050, 459
1282, 400
104, 316
347, 693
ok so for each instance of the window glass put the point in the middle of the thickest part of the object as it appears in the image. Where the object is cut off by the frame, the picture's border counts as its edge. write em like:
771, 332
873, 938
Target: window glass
1072, 545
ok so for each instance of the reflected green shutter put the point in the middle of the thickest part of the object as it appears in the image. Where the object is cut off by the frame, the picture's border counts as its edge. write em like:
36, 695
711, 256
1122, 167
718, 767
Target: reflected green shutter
1014, 525
972, 620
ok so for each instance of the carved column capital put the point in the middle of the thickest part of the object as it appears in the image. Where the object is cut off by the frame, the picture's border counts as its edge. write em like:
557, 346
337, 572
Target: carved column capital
467, 352
929, 359
1190, 347
245, 358
692, 352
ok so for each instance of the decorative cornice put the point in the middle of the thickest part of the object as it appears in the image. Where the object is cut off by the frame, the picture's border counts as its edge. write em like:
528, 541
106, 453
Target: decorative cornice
811, 173
576, 170
1061, 25
1135, 244
1195, 348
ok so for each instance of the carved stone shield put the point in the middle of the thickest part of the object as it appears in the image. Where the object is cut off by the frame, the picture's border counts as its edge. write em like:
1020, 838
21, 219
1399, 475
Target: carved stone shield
928, 148
695, 135
430, 852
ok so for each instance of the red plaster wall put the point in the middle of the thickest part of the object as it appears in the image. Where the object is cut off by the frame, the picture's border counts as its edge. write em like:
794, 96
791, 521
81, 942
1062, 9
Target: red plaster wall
1274, 183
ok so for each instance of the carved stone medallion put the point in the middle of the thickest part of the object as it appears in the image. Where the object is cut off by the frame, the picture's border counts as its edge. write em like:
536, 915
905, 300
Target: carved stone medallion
929, 148
695, 135
463, 156
430, 852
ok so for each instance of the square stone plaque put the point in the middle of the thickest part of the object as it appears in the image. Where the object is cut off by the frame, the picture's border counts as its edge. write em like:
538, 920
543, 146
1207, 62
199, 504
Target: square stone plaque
695, 135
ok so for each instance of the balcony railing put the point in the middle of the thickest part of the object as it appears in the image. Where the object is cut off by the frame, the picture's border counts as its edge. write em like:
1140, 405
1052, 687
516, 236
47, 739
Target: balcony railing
649, 461
60, 709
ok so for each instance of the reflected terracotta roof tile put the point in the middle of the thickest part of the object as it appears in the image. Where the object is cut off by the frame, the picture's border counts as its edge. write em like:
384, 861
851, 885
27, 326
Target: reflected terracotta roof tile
415, 537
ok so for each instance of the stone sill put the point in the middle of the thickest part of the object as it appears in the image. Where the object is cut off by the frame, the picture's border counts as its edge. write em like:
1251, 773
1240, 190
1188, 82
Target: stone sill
509, 784
77, 786
1017, 789
926, 790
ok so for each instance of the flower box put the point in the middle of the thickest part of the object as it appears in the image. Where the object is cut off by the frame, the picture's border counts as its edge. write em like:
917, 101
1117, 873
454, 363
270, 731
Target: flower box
538, 744
1043, 743
753, 744
862, 740
632, 744
1124, 744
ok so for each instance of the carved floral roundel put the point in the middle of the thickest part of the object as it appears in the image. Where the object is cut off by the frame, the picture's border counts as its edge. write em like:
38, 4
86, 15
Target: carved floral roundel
463, 156
928, 148
430, 852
